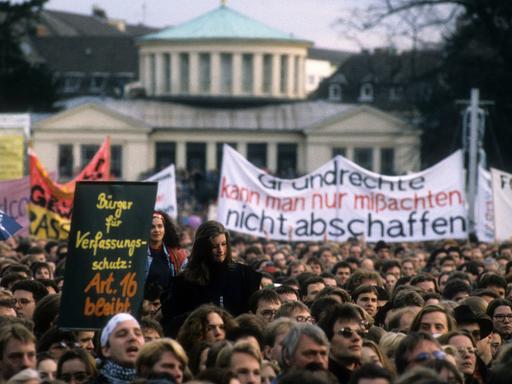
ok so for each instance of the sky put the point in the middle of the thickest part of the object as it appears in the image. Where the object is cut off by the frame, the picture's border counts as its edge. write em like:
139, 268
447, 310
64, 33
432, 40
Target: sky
312, 20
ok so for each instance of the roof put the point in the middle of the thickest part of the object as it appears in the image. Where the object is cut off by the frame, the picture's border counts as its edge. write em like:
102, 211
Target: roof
291, 117
222, 23
60, 23
112, 54
333, 56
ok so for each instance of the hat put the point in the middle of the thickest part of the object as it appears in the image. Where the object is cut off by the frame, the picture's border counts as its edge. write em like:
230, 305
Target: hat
112, 324
464, 314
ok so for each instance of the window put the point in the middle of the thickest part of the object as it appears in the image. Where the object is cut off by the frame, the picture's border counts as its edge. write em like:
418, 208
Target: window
87, 153
226, 73
366, 93
287, 160
257, 154
267, 74
283, 87
339, 151
152, 74
387, 161
219, 153
247, 73
116, 161
196, 157
98, 82
335, 92
364, 157
184, 73
72, 82
204, 72
167, 73
66, 162
165, 154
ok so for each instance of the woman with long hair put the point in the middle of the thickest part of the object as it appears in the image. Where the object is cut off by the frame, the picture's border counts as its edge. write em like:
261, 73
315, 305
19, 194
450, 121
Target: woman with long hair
211, 276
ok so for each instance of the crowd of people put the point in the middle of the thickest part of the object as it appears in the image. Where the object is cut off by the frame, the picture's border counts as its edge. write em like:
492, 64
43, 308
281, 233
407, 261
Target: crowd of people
226, 309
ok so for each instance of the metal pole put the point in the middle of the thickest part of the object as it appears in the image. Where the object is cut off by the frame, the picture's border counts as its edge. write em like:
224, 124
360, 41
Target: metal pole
473, 155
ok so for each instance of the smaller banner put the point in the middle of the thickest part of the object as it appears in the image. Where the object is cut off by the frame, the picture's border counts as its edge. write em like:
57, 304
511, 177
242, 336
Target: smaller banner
502, 196
107, 252
340, 200
8, 226
166, 195
51, 203
11, 157
14, 199
484, 208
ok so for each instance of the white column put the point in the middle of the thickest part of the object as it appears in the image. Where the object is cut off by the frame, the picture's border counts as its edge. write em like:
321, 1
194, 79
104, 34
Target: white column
159, 75
276, 75
237, 74
215, 73
257, 74
194, 73
211, 156
147, 73
181, 155
350, 153
175, 73
376, 160
242, 148
76, 157
291, 76
142, 67
272, 156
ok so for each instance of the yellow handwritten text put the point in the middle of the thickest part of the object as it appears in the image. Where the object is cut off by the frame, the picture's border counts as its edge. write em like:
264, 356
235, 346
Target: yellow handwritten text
105, 202
84, 241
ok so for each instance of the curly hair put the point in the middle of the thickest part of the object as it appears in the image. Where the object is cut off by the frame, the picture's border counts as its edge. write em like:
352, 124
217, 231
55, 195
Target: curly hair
194, 330
171, 236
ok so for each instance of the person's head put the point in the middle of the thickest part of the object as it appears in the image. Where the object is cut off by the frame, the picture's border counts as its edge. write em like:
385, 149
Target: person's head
389, 342
245, 362
433, 319
265, 303
371, 374
56, 341
27, 294
305, 346
342, 271
7, 303
401, 319
273, 336
162, 356
151, 303
408, 267
344, 327
163, 231
446, 370
287, 293
86, 340
311, 287
269, 372
500, 311
425, 281
46, 366
466, 348
382, 250
17, 349
477, 324
415, 349
76, 366
493, 282
366, 296
121, 339
456, 290
279, 260
151, 329
41, 270
295, 310
45, 313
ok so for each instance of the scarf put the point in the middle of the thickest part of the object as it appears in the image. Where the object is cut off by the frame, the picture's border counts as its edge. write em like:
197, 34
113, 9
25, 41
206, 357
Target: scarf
117, 374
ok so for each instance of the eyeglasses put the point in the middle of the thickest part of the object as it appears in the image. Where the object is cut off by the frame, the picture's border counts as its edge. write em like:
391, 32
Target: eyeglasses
63, 344
349, 332
305, 319
469, 350
269, 313
501, 317
425, 356
79, 377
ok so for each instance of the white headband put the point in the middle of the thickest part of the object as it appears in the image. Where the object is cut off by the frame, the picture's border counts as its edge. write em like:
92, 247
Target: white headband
112, 324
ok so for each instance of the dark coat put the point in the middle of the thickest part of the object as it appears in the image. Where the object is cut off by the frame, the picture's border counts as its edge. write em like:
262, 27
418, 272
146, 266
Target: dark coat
230, 287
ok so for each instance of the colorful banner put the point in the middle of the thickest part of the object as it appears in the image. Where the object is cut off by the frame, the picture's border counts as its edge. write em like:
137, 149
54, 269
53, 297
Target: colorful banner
11, 157
51, 203
107, 252
342, 200
484, 208
502, 196
166, 195
14, 199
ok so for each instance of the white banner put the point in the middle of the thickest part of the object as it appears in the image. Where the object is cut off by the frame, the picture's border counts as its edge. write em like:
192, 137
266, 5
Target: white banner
502, 194
484, 209
342, 200
166, 194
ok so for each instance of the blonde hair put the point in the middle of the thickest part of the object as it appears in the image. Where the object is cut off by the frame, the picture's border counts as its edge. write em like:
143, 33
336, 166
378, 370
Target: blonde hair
389, 343
152, 352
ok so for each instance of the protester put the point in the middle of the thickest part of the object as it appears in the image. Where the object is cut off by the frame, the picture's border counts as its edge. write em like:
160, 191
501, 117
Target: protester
17, 350
162, 356
77, 366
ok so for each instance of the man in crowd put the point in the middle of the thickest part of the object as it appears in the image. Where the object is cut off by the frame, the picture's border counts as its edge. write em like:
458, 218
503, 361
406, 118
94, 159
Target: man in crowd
17, 350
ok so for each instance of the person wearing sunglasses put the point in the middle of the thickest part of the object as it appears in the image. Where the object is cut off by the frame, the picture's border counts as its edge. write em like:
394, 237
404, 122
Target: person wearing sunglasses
76, 366
416, 349
344, 327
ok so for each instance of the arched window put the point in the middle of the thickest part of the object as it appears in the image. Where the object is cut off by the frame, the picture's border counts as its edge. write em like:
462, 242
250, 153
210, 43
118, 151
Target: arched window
366, 93
335, 92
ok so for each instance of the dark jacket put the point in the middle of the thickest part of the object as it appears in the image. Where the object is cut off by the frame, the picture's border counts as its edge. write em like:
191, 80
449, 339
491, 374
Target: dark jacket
230, 287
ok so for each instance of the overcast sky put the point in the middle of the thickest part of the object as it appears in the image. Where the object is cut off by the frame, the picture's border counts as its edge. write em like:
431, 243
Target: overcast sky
310, 19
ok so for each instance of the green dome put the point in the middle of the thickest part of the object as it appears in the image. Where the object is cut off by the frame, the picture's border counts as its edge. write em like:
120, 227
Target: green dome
222, 23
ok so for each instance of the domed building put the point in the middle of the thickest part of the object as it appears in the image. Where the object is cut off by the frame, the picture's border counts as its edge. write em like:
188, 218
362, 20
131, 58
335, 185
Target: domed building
223, 55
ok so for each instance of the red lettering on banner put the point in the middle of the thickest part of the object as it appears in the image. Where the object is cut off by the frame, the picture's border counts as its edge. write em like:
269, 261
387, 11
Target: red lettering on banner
234, 192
